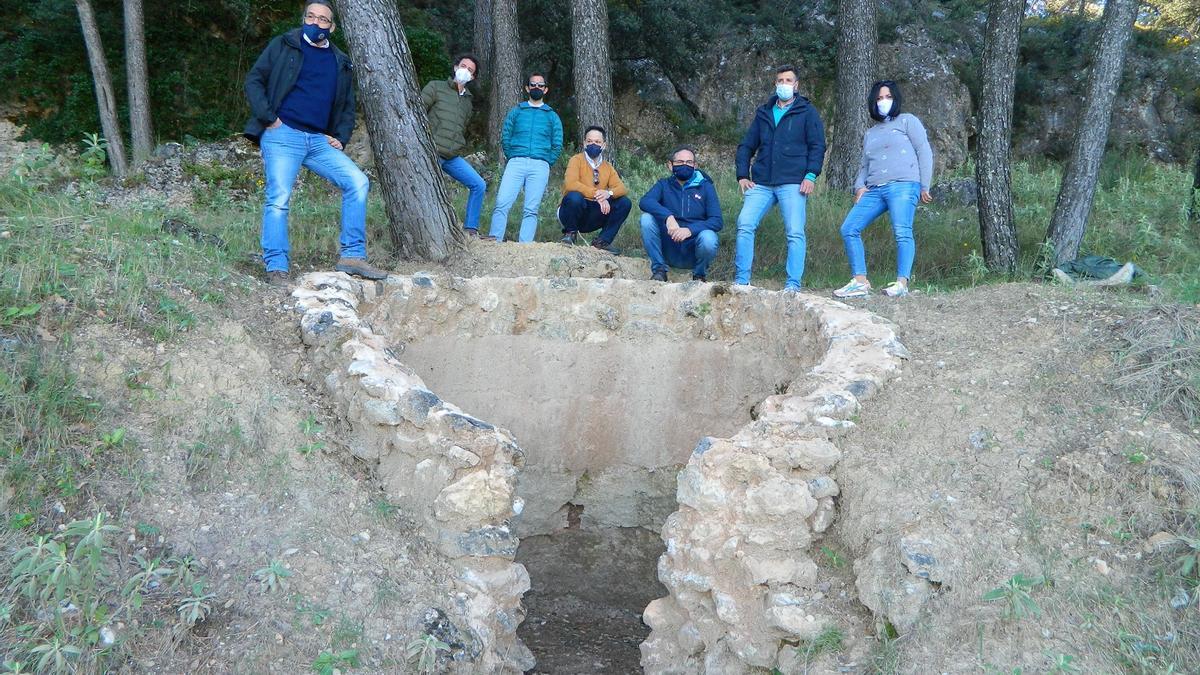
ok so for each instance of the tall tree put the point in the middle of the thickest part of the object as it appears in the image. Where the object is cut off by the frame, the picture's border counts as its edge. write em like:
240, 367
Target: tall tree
420, 216
105, 100
857, 38
1074, 203
1193, 212
593, 71
140, 129
506, 69
483, 41
997, 230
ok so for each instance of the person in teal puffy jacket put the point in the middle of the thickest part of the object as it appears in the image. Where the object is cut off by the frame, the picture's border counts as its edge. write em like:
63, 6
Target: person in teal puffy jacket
532, 139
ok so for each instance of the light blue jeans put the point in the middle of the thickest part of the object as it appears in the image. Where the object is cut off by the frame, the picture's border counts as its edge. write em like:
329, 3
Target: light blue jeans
520, 173
757, 201
284, 151
461, 170
899, 200
696, 252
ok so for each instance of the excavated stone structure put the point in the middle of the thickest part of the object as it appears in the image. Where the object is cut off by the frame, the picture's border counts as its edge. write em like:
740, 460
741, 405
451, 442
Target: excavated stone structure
737, 566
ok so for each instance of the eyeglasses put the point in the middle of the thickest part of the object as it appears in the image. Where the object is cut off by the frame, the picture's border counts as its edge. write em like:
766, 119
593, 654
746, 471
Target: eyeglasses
595, 176
322, 21
683, 162
536, 85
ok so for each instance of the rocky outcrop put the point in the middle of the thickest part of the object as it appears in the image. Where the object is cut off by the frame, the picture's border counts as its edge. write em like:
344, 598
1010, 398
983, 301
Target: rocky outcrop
738, 566
452, 473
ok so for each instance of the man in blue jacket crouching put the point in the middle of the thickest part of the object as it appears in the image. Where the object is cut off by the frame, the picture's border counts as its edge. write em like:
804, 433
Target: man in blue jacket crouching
681, 216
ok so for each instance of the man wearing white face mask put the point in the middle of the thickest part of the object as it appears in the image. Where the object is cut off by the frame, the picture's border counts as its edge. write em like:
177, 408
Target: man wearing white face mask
448, 105
786, 142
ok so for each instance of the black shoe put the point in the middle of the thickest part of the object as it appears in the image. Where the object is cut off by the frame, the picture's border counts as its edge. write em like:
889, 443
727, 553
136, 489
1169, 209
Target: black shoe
568, 238
472, 233
699, 277
659, 275
606, 246
279, 279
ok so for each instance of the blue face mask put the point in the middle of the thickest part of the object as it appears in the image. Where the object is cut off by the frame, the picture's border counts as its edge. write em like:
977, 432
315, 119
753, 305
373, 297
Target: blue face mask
683, 172
593, 150
315, 33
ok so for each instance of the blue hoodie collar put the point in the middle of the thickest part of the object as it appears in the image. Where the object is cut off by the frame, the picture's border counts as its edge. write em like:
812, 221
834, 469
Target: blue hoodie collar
697, 178
525, 104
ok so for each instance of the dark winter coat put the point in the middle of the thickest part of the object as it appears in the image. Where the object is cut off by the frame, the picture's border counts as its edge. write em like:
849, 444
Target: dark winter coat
694, 204
273, 76
783, 154
448, 112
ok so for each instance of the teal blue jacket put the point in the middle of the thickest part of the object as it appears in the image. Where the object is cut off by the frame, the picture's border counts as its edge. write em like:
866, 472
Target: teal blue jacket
532, 132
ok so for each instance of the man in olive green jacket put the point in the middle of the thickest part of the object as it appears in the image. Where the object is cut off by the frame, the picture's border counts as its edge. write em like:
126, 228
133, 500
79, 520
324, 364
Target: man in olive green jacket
448, 107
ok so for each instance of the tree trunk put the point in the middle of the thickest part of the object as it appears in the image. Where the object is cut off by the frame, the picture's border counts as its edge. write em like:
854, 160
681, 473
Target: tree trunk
1193, 214
422, 222
506, 70
997, 229
484, 43
140, 129
855, 67
1074, 203
106, 102
593, 71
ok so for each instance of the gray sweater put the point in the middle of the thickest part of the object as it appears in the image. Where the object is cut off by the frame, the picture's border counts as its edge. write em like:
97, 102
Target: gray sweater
896, 150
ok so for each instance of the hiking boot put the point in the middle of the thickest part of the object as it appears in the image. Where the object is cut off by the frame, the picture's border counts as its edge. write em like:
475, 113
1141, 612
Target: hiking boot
700, 277
279, 279
606, 246
472, 233
569, 238
854, 289
659, 275
896, 290
359, 267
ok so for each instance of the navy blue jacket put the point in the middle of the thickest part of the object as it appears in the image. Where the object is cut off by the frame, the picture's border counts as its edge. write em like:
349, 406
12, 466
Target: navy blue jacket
273, 76
782, 154
694, 205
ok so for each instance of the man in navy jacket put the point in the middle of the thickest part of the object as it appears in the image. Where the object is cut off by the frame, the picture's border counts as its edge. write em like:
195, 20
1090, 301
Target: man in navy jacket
681, 216
301, 96
786, 142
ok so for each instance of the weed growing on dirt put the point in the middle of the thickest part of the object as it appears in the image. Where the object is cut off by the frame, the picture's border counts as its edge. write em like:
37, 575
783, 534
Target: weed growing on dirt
1016, 592
828, 642
1160, 364
422, 653
273, 577
328, 662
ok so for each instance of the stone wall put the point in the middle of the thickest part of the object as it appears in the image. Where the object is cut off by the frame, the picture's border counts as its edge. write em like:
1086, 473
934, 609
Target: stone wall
738, 566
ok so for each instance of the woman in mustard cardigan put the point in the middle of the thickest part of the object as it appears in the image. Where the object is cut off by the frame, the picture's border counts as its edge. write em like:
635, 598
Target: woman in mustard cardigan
593, 195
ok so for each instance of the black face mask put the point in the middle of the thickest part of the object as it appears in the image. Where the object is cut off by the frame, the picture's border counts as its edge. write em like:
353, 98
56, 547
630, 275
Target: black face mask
536, 94
683, 172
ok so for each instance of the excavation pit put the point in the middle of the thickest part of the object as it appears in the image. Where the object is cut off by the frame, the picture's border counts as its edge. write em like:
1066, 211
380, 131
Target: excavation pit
563, 412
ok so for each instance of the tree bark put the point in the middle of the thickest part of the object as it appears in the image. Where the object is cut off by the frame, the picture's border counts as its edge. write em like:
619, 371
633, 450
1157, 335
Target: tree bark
593, 71
140, 128
1193, 213
484, 42
1074, 203
997, 230
857, 38
506, 70
422, 222
106, 102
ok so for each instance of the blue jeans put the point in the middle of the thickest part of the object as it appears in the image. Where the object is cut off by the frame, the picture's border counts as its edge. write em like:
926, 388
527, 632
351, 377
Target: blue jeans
696, 252
900, 201
521, 172
284, 151
461, 170
580, 214
758, 200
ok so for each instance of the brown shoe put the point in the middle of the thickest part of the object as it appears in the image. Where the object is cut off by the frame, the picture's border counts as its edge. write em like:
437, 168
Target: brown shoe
279, 279
358, 267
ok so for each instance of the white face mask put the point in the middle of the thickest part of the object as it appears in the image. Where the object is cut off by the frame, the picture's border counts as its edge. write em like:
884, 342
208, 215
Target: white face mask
885, 106
785, 92
462, 76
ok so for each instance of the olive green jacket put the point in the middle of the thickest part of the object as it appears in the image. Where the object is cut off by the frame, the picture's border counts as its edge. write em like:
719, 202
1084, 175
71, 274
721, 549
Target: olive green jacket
448, 112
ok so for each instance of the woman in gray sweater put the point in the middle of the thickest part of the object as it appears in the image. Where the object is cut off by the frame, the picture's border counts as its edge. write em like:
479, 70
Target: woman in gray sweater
896, 171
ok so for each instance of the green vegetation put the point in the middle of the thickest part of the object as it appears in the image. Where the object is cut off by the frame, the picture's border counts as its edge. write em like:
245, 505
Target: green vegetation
1016, 592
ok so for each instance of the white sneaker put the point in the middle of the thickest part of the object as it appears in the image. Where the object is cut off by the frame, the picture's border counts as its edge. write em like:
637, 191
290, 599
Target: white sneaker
896, 290
854, 289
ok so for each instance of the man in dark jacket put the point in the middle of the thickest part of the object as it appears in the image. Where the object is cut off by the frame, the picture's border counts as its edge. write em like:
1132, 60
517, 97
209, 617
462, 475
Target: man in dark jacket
681, 216
301, 96
448, 105
786, 141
